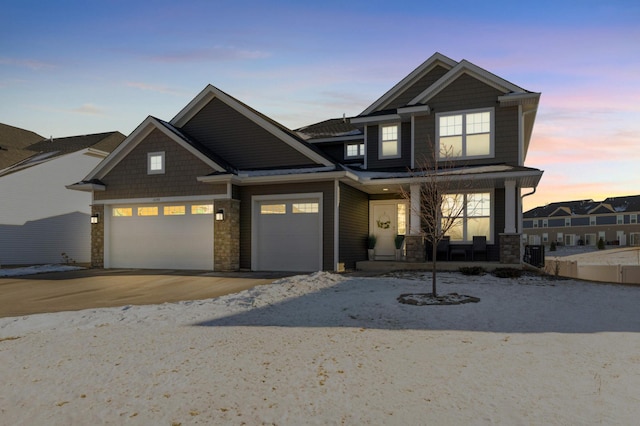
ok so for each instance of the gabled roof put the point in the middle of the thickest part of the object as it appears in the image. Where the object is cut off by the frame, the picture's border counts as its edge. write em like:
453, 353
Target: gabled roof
281, 132
611, 205
13, 144
437, 59
332, 128
99, 144
139, 134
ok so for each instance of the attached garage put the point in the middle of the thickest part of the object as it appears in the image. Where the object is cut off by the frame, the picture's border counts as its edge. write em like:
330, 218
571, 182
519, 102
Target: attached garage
287, 233
160, 236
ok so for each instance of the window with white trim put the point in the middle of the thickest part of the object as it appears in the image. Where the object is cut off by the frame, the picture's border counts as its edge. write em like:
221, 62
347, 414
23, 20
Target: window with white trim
465, 134
545, 223
475, 217
155, 163
633, 218
354, 150
389, 141
545, 237
567, 221
297, 208
620, 219
592, 220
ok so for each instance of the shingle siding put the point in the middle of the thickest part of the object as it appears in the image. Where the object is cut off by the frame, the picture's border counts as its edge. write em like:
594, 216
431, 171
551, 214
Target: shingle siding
354, 226
129, 178
240, 141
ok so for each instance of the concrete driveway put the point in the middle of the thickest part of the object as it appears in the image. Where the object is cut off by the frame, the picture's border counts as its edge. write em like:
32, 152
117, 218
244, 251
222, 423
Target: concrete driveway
98, 288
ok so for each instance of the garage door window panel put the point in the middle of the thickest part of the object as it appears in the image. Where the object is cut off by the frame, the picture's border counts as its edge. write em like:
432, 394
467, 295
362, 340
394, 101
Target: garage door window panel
174, 210
148, 211
297, 208
273, 209
202, 209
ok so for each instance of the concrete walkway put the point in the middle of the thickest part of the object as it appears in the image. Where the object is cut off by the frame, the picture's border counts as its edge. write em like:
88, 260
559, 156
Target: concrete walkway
98, 288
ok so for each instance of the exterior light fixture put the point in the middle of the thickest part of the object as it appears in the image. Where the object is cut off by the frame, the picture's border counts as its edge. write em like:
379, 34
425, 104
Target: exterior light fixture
220, 215
95, 218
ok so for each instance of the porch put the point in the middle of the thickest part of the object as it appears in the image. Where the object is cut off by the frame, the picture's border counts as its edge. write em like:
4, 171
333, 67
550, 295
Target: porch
402, 265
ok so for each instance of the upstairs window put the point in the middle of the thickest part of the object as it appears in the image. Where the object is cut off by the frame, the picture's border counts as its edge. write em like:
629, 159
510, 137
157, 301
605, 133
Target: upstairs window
155, 163
465, 134
355, 150
389, 141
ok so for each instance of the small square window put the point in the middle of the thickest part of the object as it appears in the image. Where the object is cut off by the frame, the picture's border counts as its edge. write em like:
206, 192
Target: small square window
155, 163
355, 150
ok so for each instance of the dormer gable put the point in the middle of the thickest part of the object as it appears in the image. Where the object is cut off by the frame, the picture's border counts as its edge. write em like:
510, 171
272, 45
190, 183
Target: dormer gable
602, 208
561, 211
423, 76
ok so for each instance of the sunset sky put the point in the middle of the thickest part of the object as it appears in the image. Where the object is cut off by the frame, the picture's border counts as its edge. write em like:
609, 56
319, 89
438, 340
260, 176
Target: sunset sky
78, 67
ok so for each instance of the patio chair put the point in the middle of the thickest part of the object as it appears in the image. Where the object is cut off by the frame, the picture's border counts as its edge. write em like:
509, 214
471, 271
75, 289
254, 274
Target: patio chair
479, 246
443, 247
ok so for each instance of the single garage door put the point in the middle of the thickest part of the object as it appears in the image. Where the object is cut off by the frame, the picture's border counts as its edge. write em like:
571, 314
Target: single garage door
288, 235
161, 236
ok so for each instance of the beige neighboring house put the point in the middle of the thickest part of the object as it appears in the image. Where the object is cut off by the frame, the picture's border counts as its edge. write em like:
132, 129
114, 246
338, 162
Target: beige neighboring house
39, 218
584, 222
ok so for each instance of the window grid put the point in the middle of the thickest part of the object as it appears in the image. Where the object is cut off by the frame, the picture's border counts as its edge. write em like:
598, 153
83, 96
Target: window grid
465, 134
304, 208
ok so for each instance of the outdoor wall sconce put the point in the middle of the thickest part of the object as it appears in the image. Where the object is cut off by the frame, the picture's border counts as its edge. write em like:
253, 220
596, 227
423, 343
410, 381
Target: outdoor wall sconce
220, 215
95, 218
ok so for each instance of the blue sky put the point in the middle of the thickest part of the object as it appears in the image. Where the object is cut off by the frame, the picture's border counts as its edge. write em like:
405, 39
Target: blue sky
78, 67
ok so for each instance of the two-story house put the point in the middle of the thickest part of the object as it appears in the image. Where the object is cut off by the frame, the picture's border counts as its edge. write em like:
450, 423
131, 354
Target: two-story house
585, 222
223, 187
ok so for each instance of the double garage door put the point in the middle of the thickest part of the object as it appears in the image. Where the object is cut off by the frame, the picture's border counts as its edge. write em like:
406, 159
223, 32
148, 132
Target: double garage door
161, 236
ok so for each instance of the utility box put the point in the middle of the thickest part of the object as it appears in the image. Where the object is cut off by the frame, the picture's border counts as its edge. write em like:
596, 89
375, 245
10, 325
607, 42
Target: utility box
534, 255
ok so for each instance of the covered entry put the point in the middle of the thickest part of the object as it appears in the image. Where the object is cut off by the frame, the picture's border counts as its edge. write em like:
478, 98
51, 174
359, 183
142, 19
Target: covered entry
160, 236
287, 233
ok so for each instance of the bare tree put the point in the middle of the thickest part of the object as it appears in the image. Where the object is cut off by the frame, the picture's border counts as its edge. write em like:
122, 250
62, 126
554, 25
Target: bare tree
442, 202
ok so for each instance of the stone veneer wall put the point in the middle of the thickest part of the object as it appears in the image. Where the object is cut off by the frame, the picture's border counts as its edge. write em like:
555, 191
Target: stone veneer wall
226, 242
510, 248
414, 245
97, 237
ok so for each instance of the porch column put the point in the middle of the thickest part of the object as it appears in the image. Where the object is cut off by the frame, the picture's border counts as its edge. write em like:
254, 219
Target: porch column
510, 206
414, 228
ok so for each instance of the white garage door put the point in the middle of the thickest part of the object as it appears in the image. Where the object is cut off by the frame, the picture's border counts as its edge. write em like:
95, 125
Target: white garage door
288, 235
161, 236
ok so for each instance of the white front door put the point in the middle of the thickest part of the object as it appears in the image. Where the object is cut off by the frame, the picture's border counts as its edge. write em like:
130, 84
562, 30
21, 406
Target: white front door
387, 219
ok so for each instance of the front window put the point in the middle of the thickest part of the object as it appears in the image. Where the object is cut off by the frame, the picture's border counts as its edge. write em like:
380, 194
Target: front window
390, 141
474, 215
466, 134
355, 150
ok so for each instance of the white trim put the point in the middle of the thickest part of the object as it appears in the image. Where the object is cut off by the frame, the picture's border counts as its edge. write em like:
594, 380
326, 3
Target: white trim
135, 138
510, 207
466, 67
335, 139
398, 140
415, 110
366, 147
376, 119
413, 142
255, 199
520, 136
437, 59
464, 113
159, 171
351, 157
210, 93
185, 199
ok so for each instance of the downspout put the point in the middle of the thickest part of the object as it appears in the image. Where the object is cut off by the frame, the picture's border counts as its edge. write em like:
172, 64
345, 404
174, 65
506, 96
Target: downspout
520, 225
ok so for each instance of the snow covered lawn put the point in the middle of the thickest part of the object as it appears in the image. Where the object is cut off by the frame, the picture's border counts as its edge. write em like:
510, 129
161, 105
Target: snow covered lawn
335, 349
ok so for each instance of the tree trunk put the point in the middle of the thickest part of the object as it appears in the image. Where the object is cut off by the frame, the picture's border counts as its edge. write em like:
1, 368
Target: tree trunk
434, 253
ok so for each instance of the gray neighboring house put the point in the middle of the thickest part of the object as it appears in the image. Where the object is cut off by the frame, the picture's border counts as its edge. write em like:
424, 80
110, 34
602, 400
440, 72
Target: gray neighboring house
223, 187
39, 218
584, 222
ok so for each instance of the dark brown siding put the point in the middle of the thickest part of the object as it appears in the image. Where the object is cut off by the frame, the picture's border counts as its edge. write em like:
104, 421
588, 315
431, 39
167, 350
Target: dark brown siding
418, 87
129, 178
373, 149
468, 93
327, 188
354, 226
240, 141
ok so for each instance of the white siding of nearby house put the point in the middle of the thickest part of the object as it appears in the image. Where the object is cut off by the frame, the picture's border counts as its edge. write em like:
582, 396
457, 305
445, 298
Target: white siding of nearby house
39, 218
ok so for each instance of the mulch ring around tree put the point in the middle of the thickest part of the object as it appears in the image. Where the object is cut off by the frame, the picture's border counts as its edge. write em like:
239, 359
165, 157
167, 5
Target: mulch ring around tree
423, 299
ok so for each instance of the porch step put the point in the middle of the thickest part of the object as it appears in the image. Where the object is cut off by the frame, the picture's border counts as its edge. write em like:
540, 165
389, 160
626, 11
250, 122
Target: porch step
389, 265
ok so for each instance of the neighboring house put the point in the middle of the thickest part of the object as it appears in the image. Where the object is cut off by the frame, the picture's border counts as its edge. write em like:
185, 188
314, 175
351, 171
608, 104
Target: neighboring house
39, 218
223, 187
584, 222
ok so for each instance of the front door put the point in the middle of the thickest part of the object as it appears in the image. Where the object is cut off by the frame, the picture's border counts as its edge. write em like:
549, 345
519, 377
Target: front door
383, 223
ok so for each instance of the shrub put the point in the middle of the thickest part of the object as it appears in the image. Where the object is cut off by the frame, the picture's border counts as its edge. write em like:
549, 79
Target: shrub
371, 242
600, 244
507, 272
553, 246
472, 270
